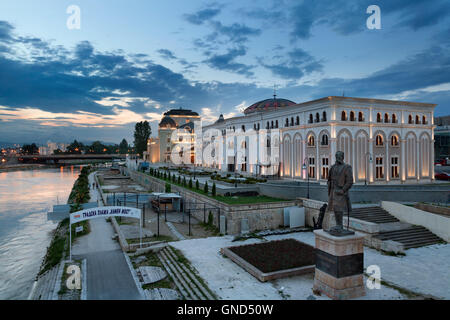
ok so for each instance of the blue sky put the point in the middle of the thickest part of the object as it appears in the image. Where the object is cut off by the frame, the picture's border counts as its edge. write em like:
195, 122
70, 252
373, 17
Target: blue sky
133, 60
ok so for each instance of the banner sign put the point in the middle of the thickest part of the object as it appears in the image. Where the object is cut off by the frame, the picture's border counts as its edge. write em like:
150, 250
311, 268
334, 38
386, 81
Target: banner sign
105, 212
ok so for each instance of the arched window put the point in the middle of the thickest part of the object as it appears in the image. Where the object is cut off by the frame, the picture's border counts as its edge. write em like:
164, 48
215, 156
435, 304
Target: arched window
324, 116
394, 118
417, 120
297, 120
311, 142
410, 120
360, 116
394, 140
386, 118
287, 123
378, 117
310, 118
317, 117
243, 128
271, 124
343, 116
268, 142
352, 116
276, 123
324, 141
258, 126
267, 125
292, 121
424, 120
379, 140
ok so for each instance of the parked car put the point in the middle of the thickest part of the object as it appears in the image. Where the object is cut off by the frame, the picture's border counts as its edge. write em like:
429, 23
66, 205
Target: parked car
442, 162
441, 175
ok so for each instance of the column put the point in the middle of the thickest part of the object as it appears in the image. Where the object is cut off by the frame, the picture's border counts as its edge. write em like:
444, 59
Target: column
317, 161
432, 160
403, 160
371, 164
418, 159
304, 174
354, 158
387, 163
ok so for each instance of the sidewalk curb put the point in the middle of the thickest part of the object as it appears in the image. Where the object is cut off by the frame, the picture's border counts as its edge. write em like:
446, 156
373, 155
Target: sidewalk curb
135, 277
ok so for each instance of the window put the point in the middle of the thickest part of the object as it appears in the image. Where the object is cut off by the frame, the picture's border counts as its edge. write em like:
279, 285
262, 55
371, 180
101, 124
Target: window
360, 116
343, 116
297, 121
379, 140
378, 117
317, 117
394, 118
286, 124
312, 167
394, 140
386, 118
292, 121
324, 116
394, 168
410, 121
352, 116
424, 120
276, 123
417, 120
311, 142
379, 168
310, 118
324, 141
325, 168
243, 128
268, 142
267, 125
271, 124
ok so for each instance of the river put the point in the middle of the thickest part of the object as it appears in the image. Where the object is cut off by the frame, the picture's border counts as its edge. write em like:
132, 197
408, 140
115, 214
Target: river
25, 198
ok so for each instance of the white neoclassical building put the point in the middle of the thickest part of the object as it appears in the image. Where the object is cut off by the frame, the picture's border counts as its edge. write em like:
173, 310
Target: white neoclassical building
384, 141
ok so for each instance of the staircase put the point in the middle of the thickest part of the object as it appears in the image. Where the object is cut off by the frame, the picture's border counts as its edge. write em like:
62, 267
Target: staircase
373, 214
186, 281
46, 285
412, 237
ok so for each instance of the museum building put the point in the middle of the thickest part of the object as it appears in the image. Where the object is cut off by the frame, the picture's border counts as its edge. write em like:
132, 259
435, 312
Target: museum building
384, 141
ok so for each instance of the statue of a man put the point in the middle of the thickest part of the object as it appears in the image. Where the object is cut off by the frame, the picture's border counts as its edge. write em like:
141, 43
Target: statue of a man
340, 180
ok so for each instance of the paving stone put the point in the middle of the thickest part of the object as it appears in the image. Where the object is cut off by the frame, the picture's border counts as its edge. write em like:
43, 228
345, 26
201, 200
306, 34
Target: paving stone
151, 274
162, 294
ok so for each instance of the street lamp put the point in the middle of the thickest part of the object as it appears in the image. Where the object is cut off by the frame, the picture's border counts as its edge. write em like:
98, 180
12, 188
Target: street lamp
306, 167
367, 163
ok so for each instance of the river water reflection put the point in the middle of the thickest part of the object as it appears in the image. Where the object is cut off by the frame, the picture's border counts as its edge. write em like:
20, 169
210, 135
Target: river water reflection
25, 233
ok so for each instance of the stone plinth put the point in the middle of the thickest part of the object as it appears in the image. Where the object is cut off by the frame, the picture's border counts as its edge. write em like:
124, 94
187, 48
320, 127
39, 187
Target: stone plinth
339, 265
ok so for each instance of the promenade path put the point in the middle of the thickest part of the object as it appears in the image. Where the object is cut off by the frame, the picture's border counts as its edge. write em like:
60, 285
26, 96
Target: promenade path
108, 274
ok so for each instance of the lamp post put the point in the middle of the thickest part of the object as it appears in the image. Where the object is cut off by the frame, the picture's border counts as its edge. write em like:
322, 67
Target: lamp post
306, 167
367, 164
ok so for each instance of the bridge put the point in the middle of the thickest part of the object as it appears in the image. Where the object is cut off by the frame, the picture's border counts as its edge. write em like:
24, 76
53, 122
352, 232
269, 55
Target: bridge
58, 157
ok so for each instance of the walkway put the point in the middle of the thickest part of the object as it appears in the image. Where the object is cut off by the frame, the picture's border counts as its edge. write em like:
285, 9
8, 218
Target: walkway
108, 274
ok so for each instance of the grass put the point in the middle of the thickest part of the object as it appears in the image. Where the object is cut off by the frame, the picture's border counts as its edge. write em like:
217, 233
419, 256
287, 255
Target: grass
151, 239
210, 228
56, 250
230, 199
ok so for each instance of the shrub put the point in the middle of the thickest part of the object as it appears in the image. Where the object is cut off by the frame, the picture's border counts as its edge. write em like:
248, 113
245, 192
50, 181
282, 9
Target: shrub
190, 183
205, 189
168, 187
210, 218
213, 190
184, 181
179, 179
197, 185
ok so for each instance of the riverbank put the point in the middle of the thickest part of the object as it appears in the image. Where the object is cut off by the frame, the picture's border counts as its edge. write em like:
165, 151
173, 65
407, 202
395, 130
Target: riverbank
58, 249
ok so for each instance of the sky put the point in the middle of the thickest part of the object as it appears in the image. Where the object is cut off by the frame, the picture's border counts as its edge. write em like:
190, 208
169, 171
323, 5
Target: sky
133, 60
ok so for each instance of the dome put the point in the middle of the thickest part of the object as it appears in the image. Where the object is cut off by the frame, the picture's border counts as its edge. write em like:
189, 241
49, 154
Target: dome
167, 122
181, 112
221, 119
268, 104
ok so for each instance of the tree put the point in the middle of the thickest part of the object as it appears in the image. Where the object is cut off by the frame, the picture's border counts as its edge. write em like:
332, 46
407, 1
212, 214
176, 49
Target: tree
123, 147
205, 189
75, 147
168, 187
213, 191
190, 183
142, 132
184, 181
30, 149
197, 185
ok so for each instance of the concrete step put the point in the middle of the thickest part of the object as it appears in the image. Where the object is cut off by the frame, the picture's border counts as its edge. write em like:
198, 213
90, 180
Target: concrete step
199, 285
412, 237
373, 214
180, 287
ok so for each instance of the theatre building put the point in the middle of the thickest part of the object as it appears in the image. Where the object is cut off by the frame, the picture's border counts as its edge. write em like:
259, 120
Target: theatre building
385, 142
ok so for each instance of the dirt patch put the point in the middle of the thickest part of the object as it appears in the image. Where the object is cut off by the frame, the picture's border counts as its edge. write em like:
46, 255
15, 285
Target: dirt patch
276, 255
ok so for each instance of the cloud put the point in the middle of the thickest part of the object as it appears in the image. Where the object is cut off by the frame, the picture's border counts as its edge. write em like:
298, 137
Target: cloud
167, 54
201, 16
297, 64
236, 32
226, 62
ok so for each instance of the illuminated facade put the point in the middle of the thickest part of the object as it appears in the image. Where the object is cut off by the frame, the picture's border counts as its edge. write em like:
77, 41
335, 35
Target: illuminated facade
384, 141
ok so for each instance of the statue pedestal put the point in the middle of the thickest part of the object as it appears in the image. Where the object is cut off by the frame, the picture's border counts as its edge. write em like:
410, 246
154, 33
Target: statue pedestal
339, 265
